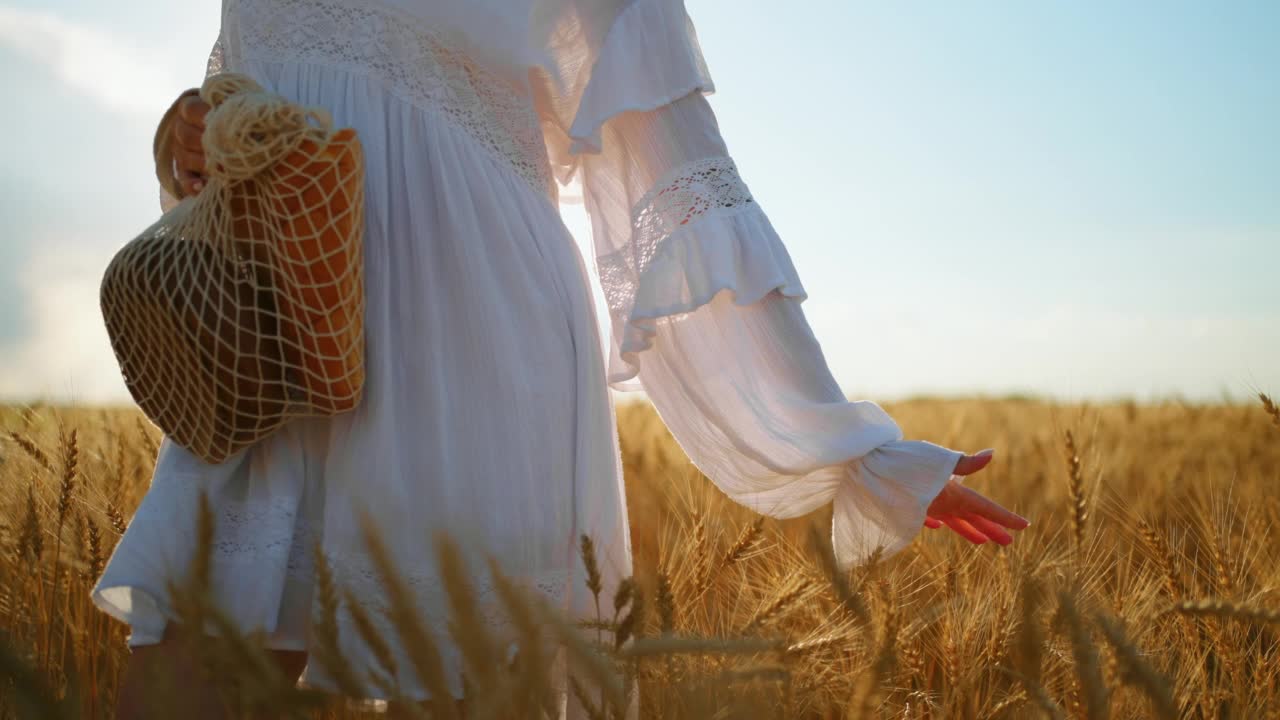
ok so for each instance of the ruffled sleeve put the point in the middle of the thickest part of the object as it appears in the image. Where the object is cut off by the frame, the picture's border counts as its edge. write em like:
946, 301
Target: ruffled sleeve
705, 302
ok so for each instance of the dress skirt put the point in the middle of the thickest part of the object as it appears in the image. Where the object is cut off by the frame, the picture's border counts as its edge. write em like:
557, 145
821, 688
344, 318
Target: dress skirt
485, 414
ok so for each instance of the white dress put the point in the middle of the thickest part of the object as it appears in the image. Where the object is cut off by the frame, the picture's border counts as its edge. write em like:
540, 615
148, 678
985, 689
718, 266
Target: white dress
486, 412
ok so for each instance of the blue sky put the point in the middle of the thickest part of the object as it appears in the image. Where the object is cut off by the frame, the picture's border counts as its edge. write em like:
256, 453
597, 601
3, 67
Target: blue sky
1075, 199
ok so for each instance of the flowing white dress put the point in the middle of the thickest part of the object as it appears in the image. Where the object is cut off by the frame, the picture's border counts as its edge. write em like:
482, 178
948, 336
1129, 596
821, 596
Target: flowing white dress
486, 412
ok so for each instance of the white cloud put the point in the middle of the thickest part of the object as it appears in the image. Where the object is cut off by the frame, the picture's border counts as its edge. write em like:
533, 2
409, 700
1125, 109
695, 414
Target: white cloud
66, 356
91, 61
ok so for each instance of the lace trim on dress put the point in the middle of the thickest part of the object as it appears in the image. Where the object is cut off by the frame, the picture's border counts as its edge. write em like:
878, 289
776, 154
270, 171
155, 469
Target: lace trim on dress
248, 533
416, 62
217, 61
688, 193
269, 533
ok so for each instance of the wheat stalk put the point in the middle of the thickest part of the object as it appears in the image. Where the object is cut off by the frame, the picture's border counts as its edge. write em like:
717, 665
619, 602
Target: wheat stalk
1155, 685
468, 626
148, 442
326, 650
666, 604
852, 603
1164, 556
91, 538
1269, 406
1213, 607
420, 646
750, 535
534, 688
70, 463
1030, 639
32, 450
1085, 653
675, 645
868, 693
1075, 487
816, 645
775, 607
581, 653
1037, 692
31, 538
386, 680
1011, 701
116, 519
630, 596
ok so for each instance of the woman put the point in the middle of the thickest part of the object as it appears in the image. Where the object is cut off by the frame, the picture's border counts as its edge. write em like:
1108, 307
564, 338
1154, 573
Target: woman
485, 412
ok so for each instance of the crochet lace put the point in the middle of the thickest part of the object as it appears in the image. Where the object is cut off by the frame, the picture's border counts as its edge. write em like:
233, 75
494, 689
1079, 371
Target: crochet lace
416, 62
687, 193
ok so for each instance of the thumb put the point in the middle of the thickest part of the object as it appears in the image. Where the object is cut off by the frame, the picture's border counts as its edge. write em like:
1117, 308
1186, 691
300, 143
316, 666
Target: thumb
970, 464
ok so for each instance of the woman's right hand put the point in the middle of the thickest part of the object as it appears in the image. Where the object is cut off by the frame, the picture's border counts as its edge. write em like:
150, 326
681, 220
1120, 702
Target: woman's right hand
188, 151
972, 515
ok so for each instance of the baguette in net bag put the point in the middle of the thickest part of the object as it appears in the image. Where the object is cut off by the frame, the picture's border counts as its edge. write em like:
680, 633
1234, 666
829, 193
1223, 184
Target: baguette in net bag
243, 306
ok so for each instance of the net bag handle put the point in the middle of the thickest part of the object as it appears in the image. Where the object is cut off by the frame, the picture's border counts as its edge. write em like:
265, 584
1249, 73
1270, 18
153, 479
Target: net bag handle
247, 130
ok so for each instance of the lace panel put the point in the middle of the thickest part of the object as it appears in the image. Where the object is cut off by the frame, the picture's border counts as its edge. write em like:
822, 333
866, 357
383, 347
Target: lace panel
685, 194
217, 58
415, 61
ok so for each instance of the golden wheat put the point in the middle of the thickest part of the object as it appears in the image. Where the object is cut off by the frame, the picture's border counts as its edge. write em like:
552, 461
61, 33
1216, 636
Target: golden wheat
1152, 594
1269, 406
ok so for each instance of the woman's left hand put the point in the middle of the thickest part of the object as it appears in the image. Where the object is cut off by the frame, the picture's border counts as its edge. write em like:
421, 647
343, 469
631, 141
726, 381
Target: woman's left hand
971, 514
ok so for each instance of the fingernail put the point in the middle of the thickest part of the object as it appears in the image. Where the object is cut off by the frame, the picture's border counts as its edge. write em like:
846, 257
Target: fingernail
988, 451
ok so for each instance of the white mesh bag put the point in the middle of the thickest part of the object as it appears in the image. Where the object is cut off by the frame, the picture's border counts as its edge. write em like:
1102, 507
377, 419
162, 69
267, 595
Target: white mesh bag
243, 306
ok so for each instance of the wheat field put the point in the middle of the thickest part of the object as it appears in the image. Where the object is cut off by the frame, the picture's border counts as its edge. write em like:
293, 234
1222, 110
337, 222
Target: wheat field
1148, 584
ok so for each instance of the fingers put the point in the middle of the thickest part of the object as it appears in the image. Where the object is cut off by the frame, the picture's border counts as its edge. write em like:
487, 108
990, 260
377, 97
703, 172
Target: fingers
932, 523
188, 160
190, 182
189, 136
988, 508
970, 464
186, 144
188, 147
965, 530
192, 109
988, 528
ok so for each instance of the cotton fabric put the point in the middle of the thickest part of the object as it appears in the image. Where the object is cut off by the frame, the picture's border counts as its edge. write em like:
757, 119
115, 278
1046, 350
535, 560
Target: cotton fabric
486, 411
